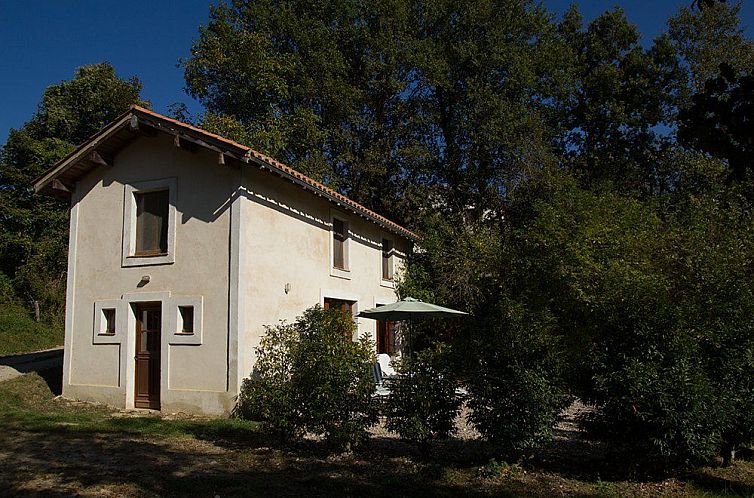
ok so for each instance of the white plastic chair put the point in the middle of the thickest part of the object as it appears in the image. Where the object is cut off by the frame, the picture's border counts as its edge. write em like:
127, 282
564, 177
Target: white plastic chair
384, 360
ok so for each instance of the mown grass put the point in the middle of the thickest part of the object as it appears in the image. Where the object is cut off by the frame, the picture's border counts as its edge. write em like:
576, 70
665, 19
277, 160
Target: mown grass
26, 403
19, 333
51, 447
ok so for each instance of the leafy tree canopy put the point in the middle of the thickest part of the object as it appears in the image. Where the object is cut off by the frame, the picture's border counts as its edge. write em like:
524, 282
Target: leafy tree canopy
33, 229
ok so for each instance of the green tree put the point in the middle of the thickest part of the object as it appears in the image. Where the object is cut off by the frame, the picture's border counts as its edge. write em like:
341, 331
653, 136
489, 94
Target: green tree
624, 94
310, 376
33, 228
423, 403
384, 100
707, 37
718, 120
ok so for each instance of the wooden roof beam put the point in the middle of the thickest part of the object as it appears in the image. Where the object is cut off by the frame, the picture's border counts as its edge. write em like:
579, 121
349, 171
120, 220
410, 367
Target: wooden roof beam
98, 159
61, 187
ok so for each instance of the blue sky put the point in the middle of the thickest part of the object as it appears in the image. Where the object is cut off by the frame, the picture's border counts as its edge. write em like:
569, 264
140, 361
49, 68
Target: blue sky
43, 41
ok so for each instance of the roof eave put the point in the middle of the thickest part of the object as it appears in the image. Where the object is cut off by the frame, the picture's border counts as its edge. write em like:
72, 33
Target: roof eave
137, 116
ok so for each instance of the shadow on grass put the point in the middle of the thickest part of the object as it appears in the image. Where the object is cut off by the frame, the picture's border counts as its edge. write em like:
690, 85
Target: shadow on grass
53, 377
60, 449
720, 486
100, 462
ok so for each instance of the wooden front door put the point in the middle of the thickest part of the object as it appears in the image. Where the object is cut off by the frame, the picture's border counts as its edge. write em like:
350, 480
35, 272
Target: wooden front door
148, 332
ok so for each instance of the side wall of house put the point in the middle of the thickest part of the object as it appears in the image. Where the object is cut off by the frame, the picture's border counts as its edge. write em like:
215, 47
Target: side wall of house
198, 372
286, 262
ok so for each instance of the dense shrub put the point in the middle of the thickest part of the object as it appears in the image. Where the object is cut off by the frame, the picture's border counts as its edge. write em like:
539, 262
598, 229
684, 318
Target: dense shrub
268, 395
423, 404
332, 377
664, 298
310, 376
515, 386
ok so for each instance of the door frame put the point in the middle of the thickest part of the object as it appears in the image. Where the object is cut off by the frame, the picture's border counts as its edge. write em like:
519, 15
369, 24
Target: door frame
154, 399
128, 349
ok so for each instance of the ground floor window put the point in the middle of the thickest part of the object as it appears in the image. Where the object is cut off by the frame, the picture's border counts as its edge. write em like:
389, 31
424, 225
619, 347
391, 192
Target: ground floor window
340, 304
385, 337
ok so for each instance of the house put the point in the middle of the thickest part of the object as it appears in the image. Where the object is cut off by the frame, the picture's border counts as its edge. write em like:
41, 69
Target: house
184, 245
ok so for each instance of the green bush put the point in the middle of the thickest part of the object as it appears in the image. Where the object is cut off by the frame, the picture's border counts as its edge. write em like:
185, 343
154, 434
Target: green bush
423, 404
268, 395
515, 390
310, 376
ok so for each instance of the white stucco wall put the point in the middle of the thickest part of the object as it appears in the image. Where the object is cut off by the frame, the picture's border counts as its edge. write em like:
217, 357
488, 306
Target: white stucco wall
286, 234
241, 235
194, 377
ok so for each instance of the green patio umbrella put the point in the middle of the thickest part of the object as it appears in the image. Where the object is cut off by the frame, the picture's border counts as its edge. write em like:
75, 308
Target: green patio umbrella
409, 309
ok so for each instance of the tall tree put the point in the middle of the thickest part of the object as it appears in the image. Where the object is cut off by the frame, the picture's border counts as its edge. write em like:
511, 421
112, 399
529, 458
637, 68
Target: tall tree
33, 229
623, 100
315, 84
380, 98
719, 120
709, 36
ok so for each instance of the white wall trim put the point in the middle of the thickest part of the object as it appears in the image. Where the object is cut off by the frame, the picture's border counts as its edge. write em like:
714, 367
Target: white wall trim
237, 340
71, 284
174, 335
129, 222
121, 322
128, 350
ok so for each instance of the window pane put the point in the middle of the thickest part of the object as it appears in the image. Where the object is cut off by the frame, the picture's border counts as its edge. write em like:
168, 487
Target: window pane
339, 237
109, 316
152, 319
387, 249
152, 222
187, 319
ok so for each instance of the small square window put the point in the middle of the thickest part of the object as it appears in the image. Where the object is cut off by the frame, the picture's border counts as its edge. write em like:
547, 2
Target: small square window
108, 321
186, 319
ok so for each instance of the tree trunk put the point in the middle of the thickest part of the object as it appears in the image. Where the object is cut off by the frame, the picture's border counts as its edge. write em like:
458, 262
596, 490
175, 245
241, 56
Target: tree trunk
728, 453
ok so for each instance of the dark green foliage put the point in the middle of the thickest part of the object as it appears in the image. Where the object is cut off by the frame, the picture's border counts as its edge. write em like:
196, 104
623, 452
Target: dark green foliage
718, 121
657, 307
515, 389
708, 37
268, 395
508, 354
385, 100
423, 403
34, 228
622, 93
310, 376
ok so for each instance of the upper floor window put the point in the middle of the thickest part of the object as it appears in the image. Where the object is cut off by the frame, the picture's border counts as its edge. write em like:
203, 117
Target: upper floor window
339, 244
149, 222
152, 223
387, 259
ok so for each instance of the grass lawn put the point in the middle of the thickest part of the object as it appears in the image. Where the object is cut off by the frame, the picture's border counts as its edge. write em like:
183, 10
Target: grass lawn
51, 447
21, 334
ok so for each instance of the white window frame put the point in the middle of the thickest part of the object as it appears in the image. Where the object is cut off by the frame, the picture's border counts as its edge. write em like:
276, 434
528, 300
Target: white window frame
176, 336
129, 222
340, 272
391, 263
100, 335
